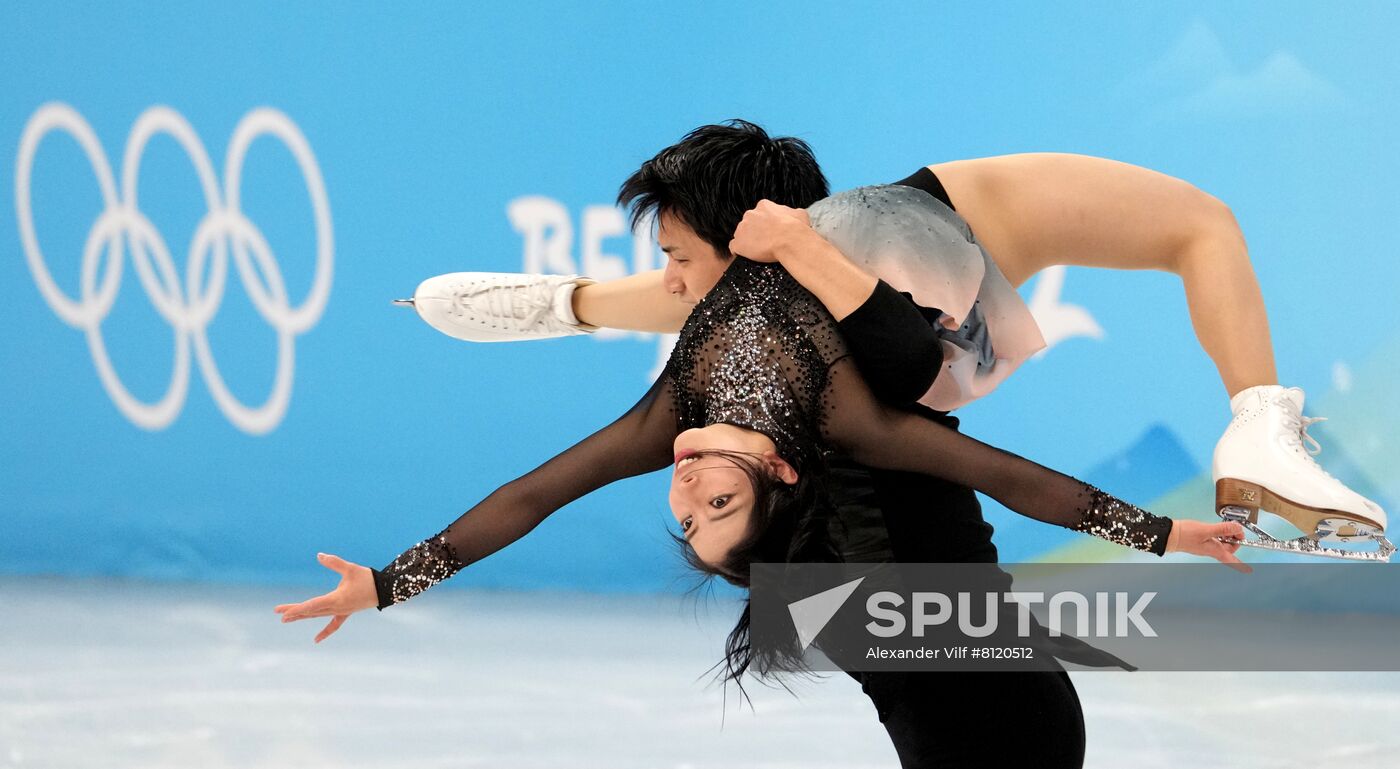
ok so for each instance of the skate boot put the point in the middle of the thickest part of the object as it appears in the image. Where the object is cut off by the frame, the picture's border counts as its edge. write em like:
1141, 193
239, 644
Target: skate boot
1261, 464
499, 306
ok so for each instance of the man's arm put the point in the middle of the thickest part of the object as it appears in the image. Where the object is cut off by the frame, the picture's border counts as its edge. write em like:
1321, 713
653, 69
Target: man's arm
895, 346
770, 232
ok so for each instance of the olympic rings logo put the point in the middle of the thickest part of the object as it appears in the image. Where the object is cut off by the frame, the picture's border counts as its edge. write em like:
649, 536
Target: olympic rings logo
223, 228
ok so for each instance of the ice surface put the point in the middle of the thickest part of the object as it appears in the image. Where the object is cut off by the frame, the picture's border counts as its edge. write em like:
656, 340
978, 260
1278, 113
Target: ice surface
106, 674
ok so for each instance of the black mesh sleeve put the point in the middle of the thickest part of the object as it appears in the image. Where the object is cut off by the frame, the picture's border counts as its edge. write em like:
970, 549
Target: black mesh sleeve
638, 442
876, 435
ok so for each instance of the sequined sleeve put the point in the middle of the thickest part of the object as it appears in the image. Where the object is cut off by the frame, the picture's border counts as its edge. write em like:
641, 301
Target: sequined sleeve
876, 435
1121, 522
417, 569
638, 442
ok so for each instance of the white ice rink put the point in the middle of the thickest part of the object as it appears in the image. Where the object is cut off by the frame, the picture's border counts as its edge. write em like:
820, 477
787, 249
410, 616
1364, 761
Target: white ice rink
109, 674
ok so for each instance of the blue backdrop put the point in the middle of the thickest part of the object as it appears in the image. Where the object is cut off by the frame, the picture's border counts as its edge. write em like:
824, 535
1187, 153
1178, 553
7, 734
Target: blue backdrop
222, 414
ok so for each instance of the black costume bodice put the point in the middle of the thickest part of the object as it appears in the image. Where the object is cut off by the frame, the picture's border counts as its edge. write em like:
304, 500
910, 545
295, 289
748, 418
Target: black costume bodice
756, 353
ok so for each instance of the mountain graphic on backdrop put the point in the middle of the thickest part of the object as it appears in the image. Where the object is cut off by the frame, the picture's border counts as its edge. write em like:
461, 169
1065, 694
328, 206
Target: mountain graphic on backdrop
1153, 465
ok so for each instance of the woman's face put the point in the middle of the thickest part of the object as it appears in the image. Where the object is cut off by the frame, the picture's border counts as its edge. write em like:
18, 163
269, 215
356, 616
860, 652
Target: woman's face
711, 497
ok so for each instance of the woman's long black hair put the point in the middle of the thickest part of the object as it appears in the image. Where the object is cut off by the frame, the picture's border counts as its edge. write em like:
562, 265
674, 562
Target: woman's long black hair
790, 523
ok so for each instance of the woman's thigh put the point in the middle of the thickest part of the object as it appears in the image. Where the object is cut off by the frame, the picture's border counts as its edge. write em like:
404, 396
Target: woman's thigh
971, 719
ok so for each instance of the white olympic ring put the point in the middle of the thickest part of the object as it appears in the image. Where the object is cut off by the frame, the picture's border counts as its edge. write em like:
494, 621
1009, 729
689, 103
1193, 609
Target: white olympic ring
188, 312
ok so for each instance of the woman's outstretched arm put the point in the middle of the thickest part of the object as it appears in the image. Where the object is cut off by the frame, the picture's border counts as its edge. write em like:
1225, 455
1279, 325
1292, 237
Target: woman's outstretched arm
638, 442
876, 435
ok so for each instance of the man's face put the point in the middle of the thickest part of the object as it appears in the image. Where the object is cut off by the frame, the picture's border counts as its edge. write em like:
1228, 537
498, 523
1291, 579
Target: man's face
693, 267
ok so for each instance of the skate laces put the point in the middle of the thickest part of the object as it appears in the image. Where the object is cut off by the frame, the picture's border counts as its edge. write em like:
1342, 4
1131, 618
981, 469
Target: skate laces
524, 307
1298, 425
1314, 448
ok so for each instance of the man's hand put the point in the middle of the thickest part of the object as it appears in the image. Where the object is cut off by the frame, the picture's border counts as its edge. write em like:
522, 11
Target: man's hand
354, 593
770, 230
775, 233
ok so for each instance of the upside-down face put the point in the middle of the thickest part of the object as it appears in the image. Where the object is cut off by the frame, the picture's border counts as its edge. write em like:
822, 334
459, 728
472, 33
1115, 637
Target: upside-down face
711, 496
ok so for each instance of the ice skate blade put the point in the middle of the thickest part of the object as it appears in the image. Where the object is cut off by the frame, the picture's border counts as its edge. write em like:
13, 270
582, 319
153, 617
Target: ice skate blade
1252, 497
402, 302
1304, 545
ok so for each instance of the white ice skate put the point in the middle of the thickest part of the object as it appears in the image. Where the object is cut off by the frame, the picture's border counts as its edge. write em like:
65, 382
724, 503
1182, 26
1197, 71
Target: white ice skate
499, 306
1261, 463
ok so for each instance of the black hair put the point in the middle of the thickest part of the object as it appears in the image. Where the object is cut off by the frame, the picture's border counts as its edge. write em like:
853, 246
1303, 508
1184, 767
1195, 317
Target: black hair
790, 523
717, 172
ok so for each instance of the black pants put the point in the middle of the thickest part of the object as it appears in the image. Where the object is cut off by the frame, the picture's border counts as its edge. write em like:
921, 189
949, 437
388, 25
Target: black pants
979, 719
951, 719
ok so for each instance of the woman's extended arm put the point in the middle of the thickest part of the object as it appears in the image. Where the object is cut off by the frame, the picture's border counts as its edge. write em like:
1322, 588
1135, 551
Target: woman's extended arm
879, 436
638, 442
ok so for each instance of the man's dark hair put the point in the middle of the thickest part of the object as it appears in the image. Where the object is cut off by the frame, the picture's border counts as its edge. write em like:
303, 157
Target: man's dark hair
717, 172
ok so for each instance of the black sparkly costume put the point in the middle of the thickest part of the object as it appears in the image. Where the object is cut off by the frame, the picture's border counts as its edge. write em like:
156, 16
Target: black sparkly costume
759, 351
887, 514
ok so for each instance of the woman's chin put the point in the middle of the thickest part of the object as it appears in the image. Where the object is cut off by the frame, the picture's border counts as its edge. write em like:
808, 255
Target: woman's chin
690, 441
723, 437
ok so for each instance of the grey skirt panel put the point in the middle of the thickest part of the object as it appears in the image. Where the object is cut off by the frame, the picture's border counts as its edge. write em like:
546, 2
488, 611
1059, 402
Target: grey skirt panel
915, 243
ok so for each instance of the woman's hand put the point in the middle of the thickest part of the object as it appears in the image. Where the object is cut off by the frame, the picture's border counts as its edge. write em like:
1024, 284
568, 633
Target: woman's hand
354, 593
768, 229
1201, 538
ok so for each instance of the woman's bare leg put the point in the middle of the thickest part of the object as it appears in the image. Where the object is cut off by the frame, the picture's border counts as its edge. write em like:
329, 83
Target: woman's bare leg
1223, 298
1227, 312
1222, 294
1037, 210
635, 303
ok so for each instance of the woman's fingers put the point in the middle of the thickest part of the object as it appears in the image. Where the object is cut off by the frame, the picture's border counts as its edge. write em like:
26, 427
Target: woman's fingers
1229, 529
334, 563
320, 606
288, 610
331, 627
1226, 555
340, 603
1218, 541
1230, 560
323, 605
294, 612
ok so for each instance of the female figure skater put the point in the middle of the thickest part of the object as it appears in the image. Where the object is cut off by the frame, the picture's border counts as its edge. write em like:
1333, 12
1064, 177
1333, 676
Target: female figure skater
762, 369
1032, 212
